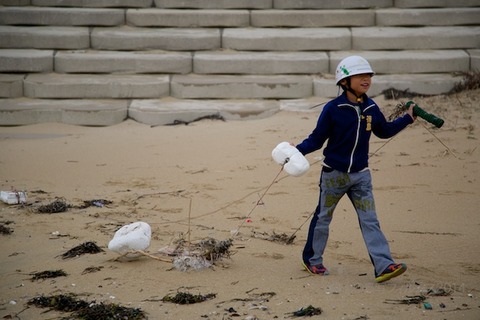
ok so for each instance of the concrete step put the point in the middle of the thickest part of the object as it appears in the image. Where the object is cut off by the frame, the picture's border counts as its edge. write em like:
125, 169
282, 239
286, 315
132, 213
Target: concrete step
173, 39
187, 18
427, 17
61, 16
402, 38
243, 62
312, 18
436, 3
474, 59
427, 84
11, 85
332, 4
123, 62
14, 112
281, 39
240, 87
89, 86
91, 3
409, 61
26, 60
171, 111
17, 37
214, 4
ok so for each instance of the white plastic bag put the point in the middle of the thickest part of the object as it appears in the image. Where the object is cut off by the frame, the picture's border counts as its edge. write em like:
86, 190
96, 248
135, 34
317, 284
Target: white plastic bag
297, 165
131, 237
293, 161
13, 197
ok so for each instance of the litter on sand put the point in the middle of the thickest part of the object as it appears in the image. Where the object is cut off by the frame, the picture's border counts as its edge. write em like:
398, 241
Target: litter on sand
47, 274
82, 309
188, 298
56, 206
200, 255
306, 312
86, 247
274, 237
4, 229
131, 237
13, 197
408, 300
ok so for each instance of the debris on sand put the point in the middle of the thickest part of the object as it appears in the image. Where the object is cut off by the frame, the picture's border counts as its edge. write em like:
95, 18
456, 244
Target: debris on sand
4, 229
188, 298
306, 312
56, 206
394, 94
92, 269
99, 203
82, 309
471, 81
47, 274
274, 237
438, 292
200, 255
408, 300
86, 247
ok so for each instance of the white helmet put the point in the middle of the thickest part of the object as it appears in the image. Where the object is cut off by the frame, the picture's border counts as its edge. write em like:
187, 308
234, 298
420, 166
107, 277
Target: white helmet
351, 66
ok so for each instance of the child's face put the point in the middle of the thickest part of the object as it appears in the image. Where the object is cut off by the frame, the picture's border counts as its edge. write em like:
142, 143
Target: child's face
360, 83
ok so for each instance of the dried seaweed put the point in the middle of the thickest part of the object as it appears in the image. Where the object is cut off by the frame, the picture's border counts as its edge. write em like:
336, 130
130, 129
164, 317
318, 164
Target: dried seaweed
5, 230
86, 247
47, 274
214, 250
306, 312
56, 206
188, 298
86, 310
92, 269
60, 302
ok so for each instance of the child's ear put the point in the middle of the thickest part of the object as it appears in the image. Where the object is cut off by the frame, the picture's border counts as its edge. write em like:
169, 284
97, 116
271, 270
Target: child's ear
343, 82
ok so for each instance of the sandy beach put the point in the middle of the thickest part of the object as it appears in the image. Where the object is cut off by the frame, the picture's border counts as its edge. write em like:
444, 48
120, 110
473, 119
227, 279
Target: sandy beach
207, 178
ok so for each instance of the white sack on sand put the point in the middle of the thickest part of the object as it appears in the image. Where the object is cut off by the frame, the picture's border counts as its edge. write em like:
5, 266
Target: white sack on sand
131, 237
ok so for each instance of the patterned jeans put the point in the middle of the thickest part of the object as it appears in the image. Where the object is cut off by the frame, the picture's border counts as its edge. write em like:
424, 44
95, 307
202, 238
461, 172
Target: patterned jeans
358, 187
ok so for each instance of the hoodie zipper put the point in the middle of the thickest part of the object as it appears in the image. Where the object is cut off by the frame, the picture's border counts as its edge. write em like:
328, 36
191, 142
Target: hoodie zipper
357, 111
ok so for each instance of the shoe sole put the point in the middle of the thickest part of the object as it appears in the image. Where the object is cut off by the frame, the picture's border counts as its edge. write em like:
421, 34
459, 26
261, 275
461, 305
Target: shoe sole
312, 273
391, 275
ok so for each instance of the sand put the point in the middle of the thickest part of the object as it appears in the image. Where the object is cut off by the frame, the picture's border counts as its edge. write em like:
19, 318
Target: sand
427, 198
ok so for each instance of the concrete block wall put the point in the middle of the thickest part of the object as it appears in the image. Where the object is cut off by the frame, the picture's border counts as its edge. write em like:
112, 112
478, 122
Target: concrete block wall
183, 52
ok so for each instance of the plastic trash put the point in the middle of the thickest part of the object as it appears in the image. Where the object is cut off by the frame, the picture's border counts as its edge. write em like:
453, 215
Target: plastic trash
13, 197
293, 161
131, 237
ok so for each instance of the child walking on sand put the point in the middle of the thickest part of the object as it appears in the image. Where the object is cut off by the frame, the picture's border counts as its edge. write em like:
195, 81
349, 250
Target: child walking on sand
347, 123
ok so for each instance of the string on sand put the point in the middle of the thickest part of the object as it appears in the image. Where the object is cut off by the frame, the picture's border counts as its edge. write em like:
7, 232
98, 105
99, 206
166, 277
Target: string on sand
259, 201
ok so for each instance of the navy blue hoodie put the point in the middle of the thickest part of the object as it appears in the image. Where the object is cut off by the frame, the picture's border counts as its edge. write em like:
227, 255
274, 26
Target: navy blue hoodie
348, 127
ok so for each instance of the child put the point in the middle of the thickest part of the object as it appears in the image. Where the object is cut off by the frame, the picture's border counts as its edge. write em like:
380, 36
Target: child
347, 123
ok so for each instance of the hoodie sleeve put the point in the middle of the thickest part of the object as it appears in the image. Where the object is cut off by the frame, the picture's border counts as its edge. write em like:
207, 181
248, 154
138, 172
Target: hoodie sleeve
385, 129
319, 135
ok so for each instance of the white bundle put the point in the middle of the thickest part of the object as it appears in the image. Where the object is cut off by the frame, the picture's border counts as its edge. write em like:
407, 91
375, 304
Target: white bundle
293, 161
131, 237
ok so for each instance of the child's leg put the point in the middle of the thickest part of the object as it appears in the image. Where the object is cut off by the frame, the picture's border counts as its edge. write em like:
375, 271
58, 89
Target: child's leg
361, 196
333, 186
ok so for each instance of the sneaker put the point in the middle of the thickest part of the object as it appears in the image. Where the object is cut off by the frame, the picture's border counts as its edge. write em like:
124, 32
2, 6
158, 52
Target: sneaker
319, 269
393, 270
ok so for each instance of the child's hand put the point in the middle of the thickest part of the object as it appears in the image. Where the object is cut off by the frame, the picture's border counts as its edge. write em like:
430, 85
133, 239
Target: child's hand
410, 111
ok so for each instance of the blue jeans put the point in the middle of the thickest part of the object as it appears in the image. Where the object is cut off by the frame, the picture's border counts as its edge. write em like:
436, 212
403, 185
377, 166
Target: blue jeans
358, 187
